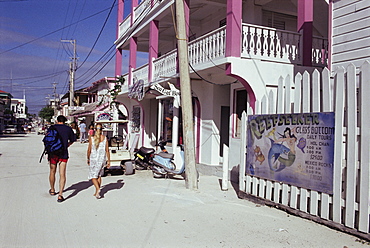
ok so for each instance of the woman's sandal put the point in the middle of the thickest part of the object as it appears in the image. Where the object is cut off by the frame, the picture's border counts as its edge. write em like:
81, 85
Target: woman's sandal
52, 192
60, 198
98, 196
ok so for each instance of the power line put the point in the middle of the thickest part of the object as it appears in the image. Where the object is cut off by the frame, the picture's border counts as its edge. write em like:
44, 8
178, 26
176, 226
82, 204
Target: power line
55, 31
101, 30
138, 18
52, 74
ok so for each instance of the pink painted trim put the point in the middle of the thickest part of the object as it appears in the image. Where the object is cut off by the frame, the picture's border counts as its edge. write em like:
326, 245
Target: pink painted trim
330, 34
153, 46
251, 95
118, 63
233, 28
120, 8
305, 23
132, 58
134, 4
99, 108
305, 13
197, 141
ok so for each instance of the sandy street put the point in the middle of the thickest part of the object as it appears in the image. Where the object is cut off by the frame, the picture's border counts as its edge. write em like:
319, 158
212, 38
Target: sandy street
136, 210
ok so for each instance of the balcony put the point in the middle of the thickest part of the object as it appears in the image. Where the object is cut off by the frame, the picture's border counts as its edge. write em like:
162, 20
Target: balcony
258, 42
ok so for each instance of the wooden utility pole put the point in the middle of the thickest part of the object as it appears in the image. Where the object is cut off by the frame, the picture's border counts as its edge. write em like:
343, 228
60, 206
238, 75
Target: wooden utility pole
72, 70
191, 179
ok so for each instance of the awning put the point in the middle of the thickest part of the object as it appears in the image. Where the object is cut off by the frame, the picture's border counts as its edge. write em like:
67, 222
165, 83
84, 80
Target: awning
89, 109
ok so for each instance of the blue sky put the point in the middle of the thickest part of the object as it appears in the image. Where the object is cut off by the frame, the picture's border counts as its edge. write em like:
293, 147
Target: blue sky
32, 56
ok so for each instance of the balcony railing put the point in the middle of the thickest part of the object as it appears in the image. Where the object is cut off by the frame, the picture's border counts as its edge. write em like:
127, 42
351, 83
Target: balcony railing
124, 26
141, 73
270, 44
281, 46
165, 66
141, 10
207, 47
319, 51
201, 50
257, 43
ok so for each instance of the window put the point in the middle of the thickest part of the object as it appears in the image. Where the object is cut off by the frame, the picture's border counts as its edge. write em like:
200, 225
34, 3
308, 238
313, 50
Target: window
167, 119
279, 20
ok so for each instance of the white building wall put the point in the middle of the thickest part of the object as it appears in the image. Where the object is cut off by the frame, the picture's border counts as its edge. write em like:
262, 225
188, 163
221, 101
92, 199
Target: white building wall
262, 77
211, 98
351, 32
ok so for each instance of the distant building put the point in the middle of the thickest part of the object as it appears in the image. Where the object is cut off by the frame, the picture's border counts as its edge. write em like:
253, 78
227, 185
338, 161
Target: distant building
5, 112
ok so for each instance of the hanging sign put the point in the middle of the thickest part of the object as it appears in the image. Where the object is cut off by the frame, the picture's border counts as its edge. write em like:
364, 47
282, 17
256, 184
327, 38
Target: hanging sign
103, 116
167, 92
297, 149
137, 90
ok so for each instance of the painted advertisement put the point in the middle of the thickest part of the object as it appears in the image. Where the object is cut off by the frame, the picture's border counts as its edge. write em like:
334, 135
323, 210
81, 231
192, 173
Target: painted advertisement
297, 149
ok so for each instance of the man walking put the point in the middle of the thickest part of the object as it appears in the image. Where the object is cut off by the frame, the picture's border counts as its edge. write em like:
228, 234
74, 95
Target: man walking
67, 138
82, 127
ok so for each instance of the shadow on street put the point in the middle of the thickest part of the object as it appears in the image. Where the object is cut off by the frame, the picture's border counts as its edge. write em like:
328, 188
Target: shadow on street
77, 188
111, 186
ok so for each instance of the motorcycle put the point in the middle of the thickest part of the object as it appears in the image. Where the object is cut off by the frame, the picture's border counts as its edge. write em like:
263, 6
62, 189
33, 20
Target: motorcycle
143, 156
160, 163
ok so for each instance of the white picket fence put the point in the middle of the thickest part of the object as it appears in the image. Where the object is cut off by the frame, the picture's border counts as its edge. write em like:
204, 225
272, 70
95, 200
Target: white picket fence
347, 93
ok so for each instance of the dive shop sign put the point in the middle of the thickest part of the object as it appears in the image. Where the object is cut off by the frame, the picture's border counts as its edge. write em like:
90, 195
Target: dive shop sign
171, 92
296, 149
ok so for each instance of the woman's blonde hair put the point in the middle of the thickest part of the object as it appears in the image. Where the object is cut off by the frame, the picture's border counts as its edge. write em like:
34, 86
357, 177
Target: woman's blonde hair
97, 134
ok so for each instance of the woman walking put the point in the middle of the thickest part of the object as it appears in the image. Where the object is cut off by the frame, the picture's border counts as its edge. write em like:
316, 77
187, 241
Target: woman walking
97, 156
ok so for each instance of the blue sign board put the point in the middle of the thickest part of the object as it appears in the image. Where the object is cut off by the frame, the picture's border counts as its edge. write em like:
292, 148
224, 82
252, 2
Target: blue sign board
297, 149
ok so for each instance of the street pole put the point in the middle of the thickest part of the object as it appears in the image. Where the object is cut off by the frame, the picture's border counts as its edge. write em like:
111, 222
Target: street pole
191, 178
72, 68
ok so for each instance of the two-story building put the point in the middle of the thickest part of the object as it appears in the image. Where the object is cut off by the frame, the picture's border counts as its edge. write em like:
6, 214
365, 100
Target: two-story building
5, 111
18, 107
95, 102
237, 50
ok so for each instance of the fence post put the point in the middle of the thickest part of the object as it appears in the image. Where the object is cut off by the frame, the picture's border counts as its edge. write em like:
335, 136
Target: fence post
243, 140
225, 168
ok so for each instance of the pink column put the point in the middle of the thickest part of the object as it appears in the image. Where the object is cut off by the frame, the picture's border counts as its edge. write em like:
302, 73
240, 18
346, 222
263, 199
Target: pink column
132, 59
153, 46
134, 4
305, 24
118, 65
133, 46
233, 28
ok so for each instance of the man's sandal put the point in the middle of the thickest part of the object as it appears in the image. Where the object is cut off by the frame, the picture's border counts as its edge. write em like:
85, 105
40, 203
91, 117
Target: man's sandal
52, 192
60, 198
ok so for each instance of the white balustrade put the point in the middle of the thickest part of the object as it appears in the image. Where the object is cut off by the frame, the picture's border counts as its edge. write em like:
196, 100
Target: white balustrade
141, 73
139, 14
319, 51
124, 26
270, 44
165, 66
207, 47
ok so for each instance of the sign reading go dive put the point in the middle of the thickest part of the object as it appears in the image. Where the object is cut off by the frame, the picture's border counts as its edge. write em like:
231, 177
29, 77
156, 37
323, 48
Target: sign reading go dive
297, 149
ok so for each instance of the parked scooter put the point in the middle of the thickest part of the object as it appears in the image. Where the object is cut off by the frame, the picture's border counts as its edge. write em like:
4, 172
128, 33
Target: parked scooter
163, 164
160, 163
143, 156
